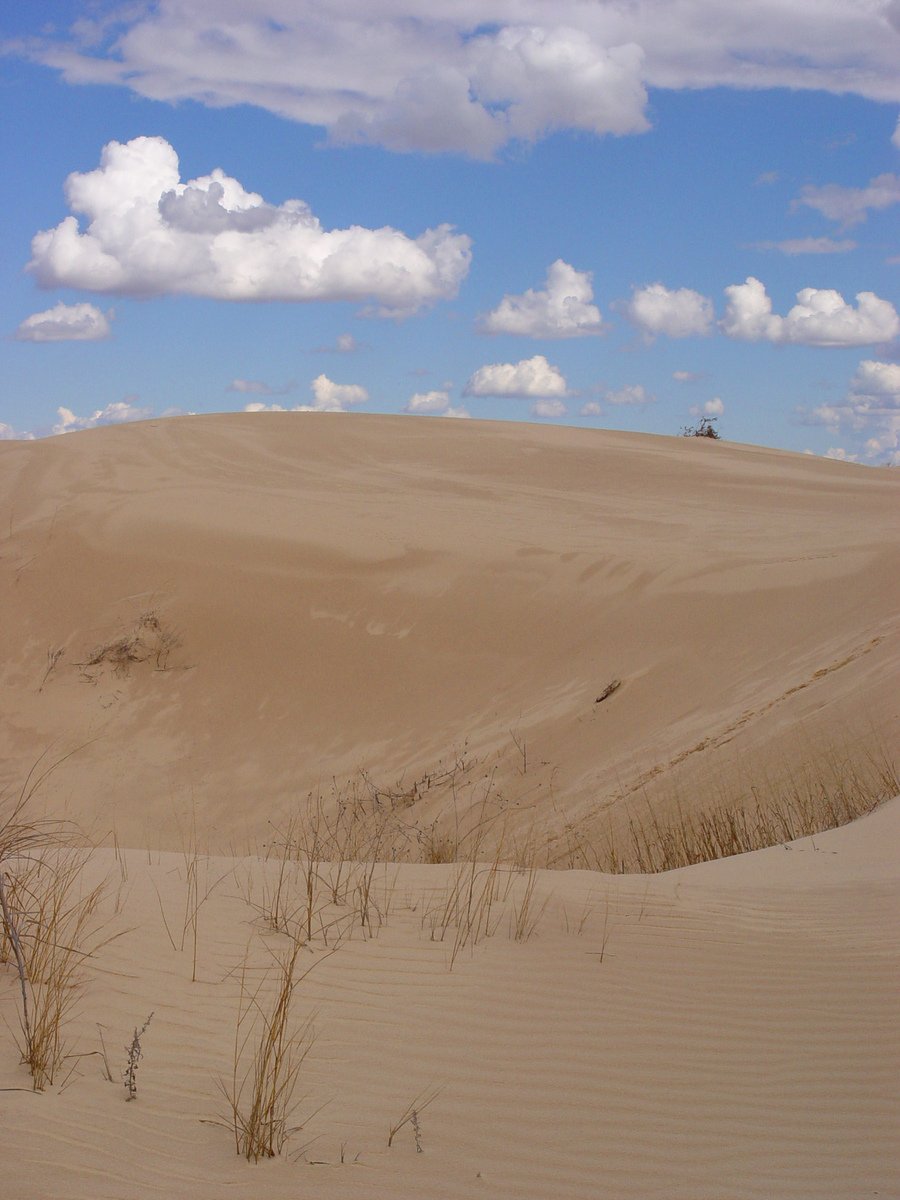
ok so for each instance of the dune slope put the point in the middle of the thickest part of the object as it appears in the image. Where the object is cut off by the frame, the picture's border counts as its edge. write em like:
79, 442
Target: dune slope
222, 613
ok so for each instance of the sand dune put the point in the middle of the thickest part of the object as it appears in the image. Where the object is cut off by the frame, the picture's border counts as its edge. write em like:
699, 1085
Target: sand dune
378, 593
206, 619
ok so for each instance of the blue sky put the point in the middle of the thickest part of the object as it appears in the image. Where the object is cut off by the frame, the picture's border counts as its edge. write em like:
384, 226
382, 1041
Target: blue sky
504, 209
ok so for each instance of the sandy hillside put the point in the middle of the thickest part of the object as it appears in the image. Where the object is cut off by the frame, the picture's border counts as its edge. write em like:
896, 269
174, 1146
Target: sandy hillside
285, 669
728, 1030
223, 613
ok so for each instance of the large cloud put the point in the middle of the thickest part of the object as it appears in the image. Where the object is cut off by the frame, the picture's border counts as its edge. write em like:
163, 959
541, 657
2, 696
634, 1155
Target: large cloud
148, 234
66, 323
821, 317
529, 377
681, 313
460, 76
563, 309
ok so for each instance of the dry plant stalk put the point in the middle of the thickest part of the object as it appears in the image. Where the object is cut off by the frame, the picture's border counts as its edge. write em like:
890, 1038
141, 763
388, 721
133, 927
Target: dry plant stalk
411, 1114
135, 1053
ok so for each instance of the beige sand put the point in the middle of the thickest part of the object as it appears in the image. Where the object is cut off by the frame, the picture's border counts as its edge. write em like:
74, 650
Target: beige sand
386, 594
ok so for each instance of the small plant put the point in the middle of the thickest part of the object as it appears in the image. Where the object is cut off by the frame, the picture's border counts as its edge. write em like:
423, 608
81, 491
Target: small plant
411, 1114
705, 428
135, 1054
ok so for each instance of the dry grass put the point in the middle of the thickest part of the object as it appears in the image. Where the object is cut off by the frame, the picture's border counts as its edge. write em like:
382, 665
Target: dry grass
50, 922
269, 1051
825, 794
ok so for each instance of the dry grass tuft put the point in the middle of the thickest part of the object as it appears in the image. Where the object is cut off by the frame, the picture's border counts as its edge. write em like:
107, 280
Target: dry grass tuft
268, 1056
50, 923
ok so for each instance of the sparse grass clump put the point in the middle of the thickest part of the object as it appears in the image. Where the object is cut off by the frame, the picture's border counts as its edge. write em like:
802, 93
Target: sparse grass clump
48, 924
268, 1055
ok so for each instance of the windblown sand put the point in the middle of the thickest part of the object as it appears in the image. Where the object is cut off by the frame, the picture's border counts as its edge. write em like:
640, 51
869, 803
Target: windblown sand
217, 616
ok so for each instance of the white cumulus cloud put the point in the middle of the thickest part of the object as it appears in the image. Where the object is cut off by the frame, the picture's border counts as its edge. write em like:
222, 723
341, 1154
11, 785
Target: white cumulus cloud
821, 317
148, 233
434, 404
66, 323
655, 309
328, 396
529, 377
116, 413
8, 434
428, 402
562, 309
870, 407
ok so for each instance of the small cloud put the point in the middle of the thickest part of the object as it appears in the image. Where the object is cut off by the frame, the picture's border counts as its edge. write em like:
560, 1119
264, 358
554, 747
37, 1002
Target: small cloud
851, 206
680, 313
821, 317
529, 377
593, 408
117, 413
66, 323
840, 454
336, 397
548, 409
434, 404
687, 376
766, 178
809, 245
712, 408
8, 434
328, 396
562, 310
632, 394
895, 136
257, 387
344, 343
